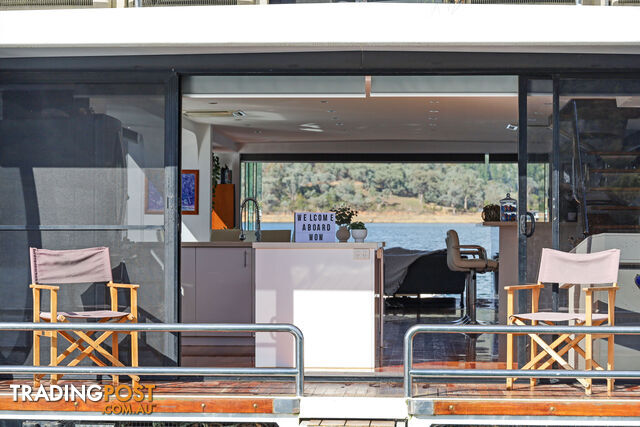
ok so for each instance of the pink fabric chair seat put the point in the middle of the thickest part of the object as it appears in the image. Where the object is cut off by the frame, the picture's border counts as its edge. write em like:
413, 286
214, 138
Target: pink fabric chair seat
97, 314
558, 317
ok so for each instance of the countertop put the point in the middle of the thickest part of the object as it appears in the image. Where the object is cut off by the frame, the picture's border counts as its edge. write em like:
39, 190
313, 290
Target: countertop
216, 244
283, 245
506, 223
292, 245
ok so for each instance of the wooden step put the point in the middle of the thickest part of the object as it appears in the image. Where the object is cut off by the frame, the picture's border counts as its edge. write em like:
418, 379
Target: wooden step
613, 189
614, 171
615, 153
613, 208
615, 227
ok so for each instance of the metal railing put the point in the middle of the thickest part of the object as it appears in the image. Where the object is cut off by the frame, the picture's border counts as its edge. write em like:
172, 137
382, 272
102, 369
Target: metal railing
297, 371
410, 372
71, 4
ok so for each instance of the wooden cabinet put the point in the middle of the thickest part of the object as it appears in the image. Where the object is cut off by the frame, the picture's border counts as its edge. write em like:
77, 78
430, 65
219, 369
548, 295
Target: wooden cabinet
217, 287
223, 211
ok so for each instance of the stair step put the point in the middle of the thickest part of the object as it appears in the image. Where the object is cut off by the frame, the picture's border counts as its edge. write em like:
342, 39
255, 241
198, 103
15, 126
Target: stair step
614, 171
613, 207
613, 189
615, 227
615, 153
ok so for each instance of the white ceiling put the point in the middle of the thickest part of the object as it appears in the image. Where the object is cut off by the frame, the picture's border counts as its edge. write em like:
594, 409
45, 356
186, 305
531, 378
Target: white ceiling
467, 119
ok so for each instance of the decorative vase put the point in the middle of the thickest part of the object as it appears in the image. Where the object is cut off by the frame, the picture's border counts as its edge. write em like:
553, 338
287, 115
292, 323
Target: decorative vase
359, 235
343, 234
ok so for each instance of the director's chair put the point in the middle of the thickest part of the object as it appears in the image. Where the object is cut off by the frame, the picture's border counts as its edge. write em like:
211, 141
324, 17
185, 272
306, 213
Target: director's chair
567, 269
51, 268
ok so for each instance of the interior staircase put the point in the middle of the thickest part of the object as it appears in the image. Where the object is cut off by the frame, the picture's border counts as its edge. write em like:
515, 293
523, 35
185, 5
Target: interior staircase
600, 155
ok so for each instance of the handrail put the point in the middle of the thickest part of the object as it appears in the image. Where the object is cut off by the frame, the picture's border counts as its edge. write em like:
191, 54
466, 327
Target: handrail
297, 371
410, 373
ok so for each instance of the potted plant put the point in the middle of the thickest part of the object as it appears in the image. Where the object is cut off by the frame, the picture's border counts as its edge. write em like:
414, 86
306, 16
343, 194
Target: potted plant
344, 215
358, 231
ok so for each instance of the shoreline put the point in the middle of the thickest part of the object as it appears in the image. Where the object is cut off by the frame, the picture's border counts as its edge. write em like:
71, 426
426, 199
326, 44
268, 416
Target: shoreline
395, 217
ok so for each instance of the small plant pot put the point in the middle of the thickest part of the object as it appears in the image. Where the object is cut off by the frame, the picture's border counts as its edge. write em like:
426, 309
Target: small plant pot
343, 234
359, 235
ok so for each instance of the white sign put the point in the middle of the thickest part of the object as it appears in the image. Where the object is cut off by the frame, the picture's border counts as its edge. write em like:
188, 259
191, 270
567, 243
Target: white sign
316, 227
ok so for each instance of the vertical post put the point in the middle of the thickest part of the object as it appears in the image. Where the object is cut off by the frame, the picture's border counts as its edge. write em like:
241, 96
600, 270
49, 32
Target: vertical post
54, 334
610, 339
535, 298
36, 334
408, 361
172, 133
588, 344
555, 185
509, 337
522, 198
113, 292
299, 363
134, 334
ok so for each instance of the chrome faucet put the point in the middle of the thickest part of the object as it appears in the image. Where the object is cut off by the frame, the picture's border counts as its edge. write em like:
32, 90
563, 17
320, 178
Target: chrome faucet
255, 202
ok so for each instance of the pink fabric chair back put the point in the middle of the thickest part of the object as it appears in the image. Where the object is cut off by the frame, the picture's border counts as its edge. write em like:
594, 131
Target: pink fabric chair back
70, 266
579, 269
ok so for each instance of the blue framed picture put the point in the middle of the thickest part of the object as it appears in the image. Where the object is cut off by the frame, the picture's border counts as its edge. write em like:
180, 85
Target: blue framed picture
189, 186
154, 197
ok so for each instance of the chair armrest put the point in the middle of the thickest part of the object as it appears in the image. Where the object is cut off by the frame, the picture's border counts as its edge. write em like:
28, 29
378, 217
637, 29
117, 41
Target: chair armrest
47, 287
123, 285
512, 288
601, 288
471, 247
476, 250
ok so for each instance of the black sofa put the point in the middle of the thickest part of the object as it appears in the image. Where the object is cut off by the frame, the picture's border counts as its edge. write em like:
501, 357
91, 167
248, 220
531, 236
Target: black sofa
430, 274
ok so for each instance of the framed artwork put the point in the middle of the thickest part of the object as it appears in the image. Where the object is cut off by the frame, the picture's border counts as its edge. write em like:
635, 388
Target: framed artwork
189, 185
153, 196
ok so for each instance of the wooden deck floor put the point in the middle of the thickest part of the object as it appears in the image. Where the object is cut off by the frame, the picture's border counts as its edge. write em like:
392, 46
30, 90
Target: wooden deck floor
448, 399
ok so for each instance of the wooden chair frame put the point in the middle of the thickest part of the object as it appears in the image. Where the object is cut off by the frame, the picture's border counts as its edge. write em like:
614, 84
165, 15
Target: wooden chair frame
551, 351
84, 343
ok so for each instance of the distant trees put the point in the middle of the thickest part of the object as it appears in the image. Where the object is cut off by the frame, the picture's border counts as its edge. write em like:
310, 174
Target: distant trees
377, 186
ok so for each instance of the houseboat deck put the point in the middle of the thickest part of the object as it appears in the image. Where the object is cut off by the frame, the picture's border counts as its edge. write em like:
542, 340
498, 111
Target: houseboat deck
329, 397
251, 397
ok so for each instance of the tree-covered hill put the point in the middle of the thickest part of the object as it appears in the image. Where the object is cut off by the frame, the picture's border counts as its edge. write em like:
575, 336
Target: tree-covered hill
379, 187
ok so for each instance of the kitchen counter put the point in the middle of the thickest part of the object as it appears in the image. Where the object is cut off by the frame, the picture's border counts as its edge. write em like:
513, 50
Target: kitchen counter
331, 291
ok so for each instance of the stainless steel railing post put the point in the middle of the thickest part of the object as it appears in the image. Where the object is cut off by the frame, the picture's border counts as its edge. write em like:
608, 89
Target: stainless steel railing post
408, 359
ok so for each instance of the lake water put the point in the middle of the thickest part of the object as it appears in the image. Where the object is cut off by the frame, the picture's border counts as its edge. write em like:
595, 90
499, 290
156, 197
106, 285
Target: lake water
427, 237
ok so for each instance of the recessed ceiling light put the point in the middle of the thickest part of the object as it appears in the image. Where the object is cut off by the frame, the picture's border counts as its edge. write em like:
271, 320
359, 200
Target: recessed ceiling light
433, 118
434, 111
208, 113
339, 124
309, 126
512, 127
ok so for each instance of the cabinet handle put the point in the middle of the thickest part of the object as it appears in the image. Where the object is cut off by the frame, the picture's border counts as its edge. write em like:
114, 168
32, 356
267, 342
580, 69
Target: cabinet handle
245, 259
